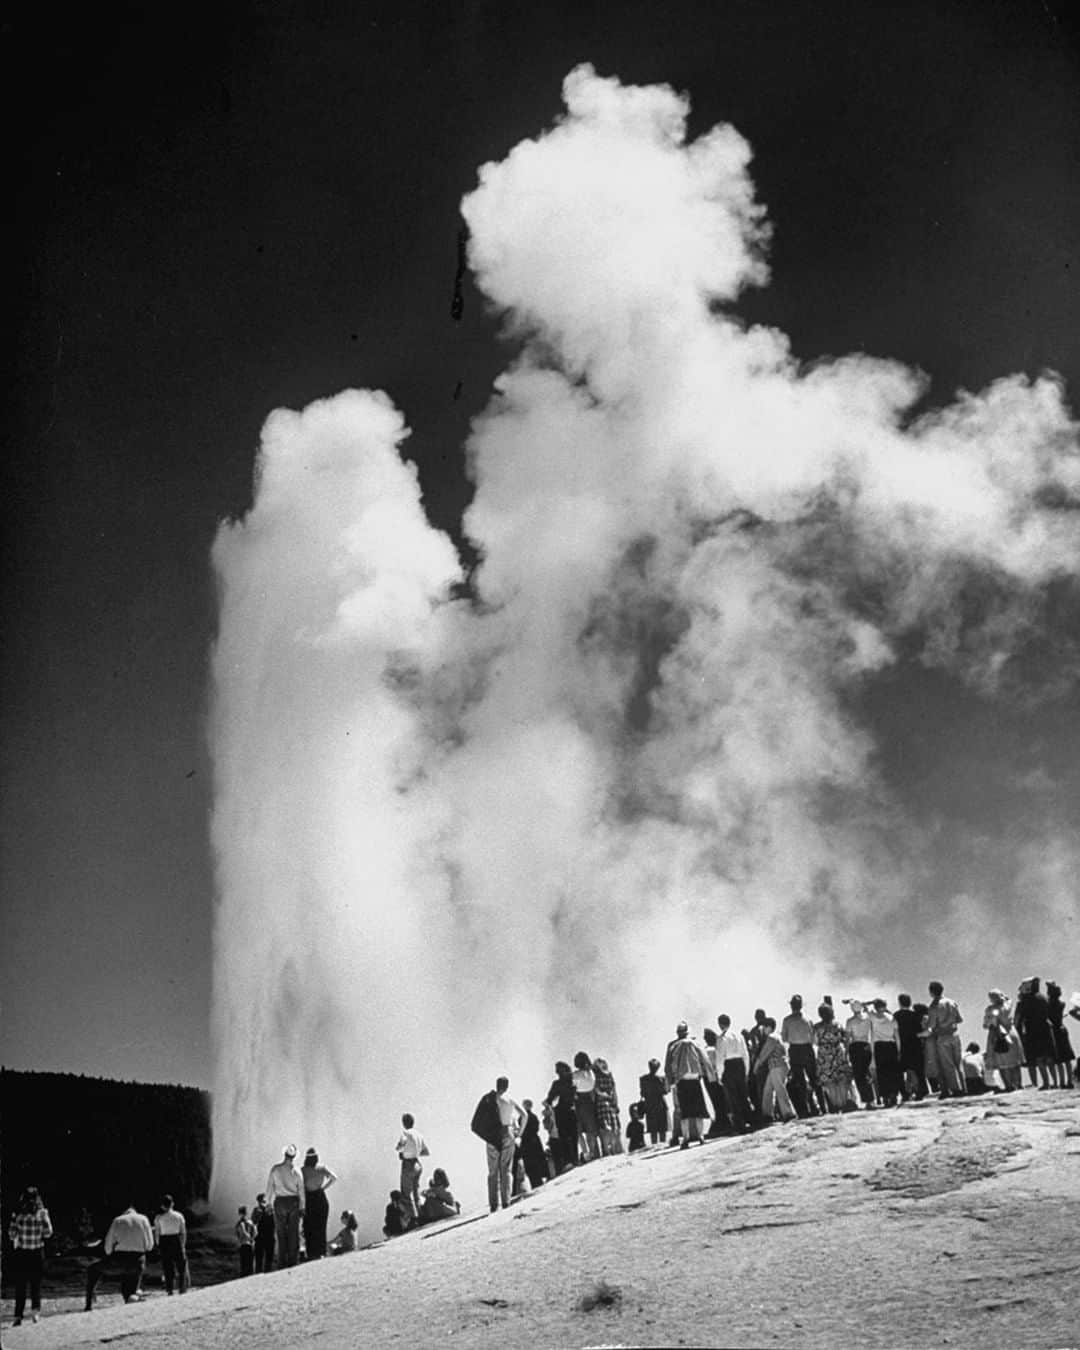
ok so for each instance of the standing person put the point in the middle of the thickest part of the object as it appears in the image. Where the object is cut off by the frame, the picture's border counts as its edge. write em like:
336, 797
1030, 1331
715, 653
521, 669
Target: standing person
885, 1039
498, 1120
833, 1060
317, 1181
126, 1245
245, 1237
713, 1088
930, 1059
755, 1039
411, 1147
1032, 1021
1002, 1053
170, 1234
585, 1106
654, 1092
772, 1058
262, 1216
797, 1033
912, 1058
861, 1050
29, 1230
1063, 1051
561, 1101
686, 1066
733, 1063
942, 1020
285, 1192
607, 1108
635, 1129
531, 1149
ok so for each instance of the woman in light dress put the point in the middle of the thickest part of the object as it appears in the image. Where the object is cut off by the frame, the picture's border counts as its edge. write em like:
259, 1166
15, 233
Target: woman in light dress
1003, 1051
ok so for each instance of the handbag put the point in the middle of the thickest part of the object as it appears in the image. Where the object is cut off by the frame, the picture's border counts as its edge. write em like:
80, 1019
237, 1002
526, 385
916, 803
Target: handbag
1002, 1044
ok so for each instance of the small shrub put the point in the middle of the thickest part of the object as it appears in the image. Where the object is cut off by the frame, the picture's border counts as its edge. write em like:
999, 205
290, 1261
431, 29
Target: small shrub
601, 1295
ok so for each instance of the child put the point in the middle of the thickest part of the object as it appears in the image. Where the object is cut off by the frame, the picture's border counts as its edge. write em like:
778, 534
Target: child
635, 1131
399, 1217
346, 1239
974, 1070
245, 1235
439, 1202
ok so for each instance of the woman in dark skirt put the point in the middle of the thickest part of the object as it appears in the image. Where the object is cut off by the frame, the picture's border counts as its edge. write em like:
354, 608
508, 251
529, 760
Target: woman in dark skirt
1032, 1021
585, 1105
1063, 1051
561, 1099
607, 1108
654, 1094
317, 1181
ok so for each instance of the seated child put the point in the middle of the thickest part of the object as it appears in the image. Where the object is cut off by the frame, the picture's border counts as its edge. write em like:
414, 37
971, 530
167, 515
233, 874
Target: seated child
635, 1130
974, 1070
399, 1217
439, 1202
346, 1239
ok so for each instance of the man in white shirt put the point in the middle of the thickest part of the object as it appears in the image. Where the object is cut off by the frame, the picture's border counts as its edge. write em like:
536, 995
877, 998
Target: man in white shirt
411, 1147
285, 1192
733, 1064
126, 1244
797, 1033
498, 1120
861, 1049
170, 1233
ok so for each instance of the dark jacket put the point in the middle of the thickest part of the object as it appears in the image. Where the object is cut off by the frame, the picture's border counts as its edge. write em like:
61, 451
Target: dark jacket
486, 1121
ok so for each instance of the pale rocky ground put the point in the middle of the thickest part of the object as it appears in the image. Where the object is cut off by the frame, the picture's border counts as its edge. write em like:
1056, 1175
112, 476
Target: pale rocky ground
952, 1224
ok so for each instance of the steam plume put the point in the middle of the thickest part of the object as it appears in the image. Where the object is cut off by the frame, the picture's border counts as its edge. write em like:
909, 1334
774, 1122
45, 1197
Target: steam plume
632, 777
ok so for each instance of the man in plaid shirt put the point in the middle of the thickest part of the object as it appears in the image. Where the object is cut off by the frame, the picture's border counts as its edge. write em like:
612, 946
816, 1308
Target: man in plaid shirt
27, 1232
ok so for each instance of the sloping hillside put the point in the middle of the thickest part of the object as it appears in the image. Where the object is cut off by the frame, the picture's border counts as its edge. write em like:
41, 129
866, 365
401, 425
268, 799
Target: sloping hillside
934, 1224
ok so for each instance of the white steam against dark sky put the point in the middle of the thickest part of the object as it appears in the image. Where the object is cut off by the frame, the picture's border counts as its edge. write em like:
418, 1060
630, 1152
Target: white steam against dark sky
628, 778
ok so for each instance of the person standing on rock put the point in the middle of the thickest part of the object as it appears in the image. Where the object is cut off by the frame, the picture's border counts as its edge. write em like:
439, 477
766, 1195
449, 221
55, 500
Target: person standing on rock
170, 1233
713, 1087
654, 1092
797, 1033
29, 1230
834, 1062
861, 1049
1063, 1051
262, 1216
561, 1101
1002, 1054
411, 1147
498, 1120
772, 1060
530, 1149
285, 1192
1036, 1033
942, 1020
732, 1064
912, 1059
686, 1067
317, 1181
885, 1039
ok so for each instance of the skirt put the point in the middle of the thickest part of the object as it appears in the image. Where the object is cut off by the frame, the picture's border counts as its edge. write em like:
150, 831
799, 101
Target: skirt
691, 1099
585, 1106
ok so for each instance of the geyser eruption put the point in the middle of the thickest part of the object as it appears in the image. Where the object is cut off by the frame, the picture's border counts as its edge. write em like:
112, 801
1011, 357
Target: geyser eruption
630, 775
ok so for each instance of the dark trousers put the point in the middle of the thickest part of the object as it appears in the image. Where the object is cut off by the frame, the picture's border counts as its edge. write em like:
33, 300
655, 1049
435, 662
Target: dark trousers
566, 1124
27, 1265
247, 1259
316, 1212
129, 1266
719, 1106
803, 1080
862, 1056
734, 1084
287, 1229
173, 1262
913, 1061
264, 1253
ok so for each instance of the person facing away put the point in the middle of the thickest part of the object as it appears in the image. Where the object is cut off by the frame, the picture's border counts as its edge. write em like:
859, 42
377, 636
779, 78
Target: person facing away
317, 1181
585, 1106
942, 1020
712, 1086
1032, 1021
245, 1238
654, 1092
635, 1129
170, 1233
772, 1060
797, 1033
411, 1147
1063, 1051
285, 1192
398, 1218
498, 1120
860, 1034
885, 1042
439, 1202
912, 1059
561, 1102
262, 1216
29, 1230
126, 1245
686, 1066
345, 1239
531, 1149
733, 1063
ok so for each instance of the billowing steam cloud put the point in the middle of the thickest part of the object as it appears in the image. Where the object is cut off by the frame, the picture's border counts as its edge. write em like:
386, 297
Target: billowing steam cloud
630, 775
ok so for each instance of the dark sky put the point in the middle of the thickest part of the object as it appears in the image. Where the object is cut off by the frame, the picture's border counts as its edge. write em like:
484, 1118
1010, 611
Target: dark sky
214, 219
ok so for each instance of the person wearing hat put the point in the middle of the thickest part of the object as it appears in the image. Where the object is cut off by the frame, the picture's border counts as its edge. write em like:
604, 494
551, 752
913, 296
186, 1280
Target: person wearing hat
685, 1067
317, 1181
653, 1091
285, 1192
885, 1039
861, 1050
797, 1033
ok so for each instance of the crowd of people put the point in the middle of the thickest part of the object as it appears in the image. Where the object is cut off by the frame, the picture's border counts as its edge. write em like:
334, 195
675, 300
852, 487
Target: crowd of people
729, 1083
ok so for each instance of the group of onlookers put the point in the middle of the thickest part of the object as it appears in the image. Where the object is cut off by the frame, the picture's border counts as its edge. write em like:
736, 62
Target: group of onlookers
408, 1207
290, 1217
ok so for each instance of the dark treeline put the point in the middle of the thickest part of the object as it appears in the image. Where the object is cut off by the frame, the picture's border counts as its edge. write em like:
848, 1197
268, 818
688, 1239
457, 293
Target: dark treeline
93, 1146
